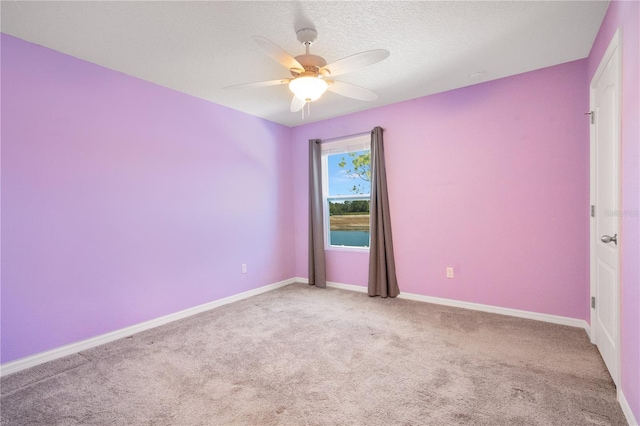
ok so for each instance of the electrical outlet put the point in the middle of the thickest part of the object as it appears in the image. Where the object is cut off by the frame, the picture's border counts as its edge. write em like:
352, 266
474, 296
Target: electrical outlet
244, 268
449, 272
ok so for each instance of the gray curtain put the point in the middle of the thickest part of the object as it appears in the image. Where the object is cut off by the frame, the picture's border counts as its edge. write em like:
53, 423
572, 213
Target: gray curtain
317, 274
382, 266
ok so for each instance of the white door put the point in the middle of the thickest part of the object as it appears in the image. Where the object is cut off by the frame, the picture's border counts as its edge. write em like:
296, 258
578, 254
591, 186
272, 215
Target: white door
605, 187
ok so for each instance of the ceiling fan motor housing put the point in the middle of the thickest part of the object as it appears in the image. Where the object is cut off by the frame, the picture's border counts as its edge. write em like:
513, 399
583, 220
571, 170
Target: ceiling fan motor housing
310, 62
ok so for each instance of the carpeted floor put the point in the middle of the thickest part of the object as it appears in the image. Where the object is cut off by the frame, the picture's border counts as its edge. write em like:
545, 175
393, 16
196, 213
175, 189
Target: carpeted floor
305, 356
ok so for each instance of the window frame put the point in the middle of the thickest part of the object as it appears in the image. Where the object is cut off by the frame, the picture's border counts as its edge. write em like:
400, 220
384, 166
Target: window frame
341, 146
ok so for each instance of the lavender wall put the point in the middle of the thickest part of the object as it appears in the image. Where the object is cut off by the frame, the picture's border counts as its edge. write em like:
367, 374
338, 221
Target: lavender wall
491, 179
626, 15
124, 201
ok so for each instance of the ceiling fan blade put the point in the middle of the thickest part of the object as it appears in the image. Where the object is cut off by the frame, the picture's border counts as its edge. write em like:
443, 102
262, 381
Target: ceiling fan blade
259, 84
277, 53
354, 62
351, 91
297, 104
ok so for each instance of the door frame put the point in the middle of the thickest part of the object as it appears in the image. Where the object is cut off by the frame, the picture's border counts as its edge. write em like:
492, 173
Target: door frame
614, 52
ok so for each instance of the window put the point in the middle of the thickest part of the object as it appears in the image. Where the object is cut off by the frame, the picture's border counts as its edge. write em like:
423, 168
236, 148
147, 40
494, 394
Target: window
346, 184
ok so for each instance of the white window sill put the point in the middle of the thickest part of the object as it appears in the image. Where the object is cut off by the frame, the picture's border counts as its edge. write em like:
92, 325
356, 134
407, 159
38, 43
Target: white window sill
347, 248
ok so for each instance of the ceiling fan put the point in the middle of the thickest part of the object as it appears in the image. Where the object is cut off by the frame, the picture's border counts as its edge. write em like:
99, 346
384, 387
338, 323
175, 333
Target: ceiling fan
311, 76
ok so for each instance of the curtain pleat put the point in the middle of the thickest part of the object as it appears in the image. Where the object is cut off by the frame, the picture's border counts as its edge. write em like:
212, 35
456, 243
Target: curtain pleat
317, 270
382, 267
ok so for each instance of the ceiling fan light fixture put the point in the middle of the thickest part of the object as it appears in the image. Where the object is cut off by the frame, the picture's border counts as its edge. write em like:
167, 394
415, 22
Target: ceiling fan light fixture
308, 88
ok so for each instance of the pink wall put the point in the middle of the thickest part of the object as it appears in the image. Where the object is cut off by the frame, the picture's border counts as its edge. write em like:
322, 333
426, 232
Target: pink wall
491, 179
124, 201
626, 15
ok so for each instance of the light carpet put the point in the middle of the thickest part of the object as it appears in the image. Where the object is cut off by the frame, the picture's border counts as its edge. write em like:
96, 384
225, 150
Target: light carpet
300, 355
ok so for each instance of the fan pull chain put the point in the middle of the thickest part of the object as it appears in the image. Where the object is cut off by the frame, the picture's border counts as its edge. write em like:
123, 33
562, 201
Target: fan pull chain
308, 109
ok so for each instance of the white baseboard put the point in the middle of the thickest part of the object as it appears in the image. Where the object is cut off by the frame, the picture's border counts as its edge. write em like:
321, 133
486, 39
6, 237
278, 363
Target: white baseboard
350, 287
626, 409
555, 319
50, 355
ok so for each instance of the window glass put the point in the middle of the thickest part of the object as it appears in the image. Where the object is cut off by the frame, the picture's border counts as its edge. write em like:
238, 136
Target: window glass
346, 188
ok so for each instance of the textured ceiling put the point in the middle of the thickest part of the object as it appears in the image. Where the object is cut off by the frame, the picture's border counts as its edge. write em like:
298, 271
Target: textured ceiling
200, 47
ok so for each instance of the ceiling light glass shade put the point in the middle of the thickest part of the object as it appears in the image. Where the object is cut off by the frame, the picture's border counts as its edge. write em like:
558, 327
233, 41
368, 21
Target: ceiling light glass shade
308, 88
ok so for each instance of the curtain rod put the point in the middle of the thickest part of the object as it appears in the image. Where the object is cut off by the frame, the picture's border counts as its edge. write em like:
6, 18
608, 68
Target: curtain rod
346, 136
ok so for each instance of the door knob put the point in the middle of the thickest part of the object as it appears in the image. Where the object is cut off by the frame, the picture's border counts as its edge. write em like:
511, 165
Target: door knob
607, 239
